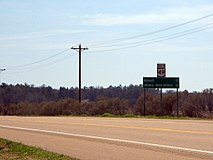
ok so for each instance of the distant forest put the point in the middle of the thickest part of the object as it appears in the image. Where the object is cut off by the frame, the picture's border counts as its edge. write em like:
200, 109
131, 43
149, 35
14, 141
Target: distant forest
118, 100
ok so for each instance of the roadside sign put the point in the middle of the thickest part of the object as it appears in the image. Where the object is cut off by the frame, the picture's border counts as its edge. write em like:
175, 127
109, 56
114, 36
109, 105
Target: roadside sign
161, 70
160, 82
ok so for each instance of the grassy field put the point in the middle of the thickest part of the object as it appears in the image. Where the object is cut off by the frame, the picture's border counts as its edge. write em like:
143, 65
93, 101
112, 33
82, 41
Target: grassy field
16, 151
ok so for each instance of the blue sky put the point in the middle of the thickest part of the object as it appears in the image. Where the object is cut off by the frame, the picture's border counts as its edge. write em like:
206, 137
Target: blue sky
34, 30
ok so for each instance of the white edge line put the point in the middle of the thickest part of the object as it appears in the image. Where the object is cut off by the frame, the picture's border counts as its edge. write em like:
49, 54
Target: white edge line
109, 139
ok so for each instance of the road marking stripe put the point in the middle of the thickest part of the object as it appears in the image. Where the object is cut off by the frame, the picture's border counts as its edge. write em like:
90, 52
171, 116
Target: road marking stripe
110, 139
117, 126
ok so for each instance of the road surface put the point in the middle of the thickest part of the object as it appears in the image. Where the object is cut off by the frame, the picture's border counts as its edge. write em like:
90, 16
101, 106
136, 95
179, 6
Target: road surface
90, 138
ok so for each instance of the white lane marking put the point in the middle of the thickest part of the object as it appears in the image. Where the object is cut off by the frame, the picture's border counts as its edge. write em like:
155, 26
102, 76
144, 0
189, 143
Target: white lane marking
109, 139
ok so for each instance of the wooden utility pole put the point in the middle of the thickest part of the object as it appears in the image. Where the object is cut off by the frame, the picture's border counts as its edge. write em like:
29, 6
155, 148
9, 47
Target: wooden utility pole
79, 49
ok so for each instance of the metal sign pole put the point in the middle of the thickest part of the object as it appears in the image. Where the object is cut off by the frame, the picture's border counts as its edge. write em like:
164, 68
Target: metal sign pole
144, 102
161, 99
177, 104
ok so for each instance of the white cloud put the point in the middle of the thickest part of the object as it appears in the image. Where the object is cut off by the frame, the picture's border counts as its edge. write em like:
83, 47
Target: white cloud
108, 19
41, 34
38, 41
163, 16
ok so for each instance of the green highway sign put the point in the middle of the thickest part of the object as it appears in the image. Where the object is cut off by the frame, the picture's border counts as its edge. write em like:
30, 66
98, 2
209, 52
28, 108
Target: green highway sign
160, 82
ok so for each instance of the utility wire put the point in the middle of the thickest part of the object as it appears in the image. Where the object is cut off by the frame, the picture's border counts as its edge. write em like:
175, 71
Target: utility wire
105, 44
154, 40
150, 33
36, 62
41, 66
206, 26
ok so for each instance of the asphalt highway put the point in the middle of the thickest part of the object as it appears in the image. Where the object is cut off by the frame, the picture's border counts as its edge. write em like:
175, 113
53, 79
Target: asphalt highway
91, 138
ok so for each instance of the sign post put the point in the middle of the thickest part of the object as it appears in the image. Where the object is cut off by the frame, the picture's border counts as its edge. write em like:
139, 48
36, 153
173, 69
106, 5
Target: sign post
161, 72
144, 102
177, 104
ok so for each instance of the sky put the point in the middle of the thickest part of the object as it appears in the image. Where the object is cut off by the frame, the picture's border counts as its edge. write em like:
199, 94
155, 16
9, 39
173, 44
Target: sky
126, 39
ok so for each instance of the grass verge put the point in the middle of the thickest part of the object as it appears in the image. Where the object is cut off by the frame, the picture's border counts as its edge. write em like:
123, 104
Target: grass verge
16, 151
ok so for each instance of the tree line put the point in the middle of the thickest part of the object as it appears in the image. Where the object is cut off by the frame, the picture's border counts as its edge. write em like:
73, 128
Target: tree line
118, 100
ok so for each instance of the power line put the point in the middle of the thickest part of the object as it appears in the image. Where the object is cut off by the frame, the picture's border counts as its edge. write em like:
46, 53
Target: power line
124, 41
104, 44
150, 33
36, 62
40, 66
156, 40
147, 40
